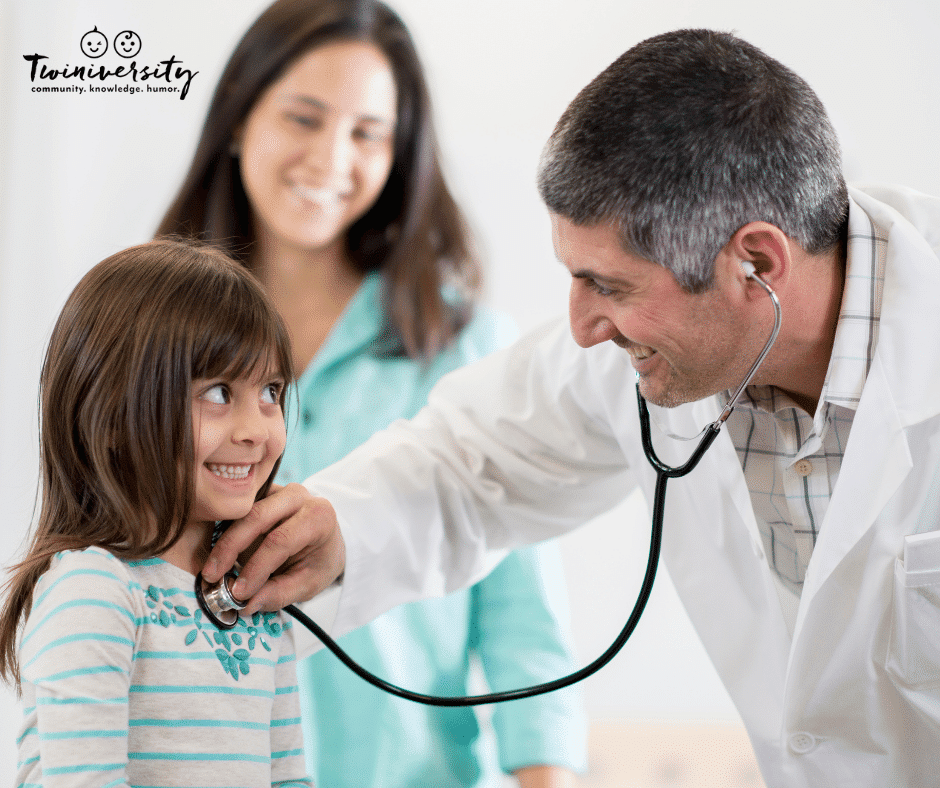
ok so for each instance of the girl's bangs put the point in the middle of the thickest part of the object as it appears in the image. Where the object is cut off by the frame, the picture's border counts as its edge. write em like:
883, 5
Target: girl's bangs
249, 341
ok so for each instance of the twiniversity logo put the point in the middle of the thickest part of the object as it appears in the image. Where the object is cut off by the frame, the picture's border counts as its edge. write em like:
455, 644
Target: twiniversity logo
164, 76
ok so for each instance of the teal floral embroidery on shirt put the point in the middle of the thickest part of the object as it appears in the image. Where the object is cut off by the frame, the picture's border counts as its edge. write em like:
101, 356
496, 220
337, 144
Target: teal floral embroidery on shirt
233, 647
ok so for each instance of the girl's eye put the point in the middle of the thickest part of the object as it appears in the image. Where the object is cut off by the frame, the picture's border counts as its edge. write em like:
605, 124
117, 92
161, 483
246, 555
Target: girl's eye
271, 394
218, 394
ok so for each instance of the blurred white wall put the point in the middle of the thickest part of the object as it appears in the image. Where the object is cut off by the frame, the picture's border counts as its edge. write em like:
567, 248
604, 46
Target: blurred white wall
82, 176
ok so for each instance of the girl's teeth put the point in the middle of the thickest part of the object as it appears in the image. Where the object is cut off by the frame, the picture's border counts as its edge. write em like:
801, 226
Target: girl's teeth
231, 471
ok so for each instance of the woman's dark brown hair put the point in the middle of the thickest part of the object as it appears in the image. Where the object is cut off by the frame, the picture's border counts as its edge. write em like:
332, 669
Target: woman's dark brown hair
414, 233
116, 442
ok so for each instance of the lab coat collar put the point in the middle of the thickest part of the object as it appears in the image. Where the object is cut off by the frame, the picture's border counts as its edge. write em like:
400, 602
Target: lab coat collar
900, 391
910, 317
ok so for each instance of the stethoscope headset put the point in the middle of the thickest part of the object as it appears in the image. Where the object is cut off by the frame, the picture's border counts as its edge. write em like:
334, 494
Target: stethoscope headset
222, 608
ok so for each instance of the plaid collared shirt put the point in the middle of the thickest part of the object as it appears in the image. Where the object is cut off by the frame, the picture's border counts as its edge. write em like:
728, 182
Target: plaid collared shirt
791, 461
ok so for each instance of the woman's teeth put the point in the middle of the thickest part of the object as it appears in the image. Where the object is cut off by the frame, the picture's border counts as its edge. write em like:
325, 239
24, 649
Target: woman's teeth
230, 471
319, 196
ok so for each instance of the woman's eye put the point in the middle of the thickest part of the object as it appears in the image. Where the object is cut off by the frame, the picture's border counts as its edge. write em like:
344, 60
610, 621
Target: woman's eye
372, 136
365, 134
217, 394
307, 121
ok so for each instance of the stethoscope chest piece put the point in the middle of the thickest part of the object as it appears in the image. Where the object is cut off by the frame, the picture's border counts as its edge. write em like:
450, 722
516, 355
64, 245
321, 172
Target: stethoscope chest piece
218, 602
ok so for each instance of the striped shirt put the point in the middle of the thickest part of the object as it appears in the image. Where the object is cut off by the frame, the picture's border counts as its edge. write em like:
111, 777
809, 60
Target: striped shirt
126, 683
791, 460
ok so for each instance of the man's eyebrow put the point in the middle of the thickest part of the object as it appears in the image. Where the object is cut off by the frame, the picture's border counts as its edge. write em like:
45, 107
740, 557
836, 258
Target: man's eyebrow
586, 273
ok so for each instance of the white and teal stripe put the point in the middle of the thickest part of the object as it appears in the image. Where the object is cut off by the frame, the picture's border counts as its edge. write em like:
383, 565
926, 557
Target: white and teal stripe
126, 683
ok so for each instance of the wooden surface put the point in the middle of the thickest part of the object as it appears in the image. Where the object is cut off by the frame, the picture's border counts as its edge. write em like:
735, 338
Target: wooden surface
669, 755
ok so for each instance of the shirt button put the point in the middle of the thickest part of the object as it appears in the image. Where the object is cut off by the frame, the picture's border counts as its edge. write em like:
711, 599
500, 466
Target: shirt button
306, 417
803, 467
802, 742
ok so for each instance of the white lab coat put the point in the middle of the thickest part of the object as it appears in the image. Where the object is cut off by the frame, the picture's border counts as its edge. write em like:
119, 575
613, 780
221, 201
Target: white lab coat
537, 439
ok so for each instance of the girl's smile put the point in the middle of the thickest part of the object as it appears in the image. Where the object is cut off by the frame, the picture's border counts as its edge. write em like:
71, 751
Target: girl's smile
236, 472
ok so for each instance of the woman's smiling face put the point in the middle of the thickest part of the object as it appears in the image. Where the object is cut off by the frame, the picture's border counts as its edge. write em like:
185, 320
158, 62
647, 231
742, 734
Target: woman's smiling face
317, 147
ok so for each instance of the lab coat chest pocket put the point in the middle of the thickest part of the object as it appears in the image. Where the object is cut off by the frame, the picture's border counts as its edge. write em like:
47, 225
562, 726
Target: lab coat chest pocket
914, 646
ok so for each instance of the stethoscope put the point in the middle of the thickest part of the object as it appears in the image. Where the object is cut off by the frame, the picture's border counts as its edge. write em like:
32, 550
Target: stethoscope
222, 608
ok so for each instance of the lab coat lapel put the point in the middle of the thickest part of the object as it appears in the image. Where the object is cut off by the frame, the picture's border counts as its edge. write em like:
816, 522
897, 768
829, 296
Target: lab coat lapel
900, 391
876, 432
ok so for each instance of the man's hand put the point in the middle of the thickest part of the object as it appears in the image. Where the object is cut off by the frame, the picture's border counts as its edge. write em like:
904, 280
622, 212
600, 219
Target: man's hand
298, 550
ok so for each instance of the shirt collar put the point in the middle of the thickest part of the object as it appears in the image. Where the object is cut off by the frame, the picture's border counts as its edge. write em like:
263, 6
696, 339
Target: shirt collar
860, 313
360, 324
856, 330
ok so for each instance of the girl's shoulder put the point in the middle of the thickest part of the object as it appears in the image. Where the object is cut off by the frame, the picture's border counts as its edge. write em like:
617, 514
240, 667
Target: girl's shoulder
91, 573
90, 565
85, 594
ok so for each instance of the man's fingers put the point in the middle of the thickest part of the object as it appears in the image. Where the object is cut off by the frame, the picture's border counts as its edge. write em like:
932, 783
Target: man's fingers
282, 590
264, 516
296, 550
281, 544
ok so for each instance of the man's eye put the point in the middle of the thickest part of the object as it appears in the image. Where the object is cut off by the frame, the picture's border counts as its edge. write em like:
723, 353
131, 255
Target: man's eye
217, 394
598, 288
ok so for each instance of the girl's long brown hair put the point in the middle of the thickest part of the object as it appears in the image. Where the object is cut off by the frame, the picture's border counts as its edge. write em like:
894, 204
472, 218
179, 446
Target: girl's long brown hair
414, 233
116, 443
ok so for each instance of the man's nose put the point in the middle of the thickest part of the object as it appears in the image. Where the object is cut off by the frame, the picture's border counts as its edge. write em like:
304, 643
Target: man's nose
589, 323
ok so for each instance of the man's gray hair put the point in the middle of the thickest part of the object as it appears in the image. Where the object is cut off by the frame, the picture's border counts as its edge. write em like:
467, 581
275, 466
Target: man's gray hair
687, 137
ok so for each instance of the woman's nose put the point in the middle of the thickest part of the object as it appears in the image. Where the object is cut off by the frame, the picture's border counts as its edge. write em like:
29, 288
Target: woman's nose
331, 151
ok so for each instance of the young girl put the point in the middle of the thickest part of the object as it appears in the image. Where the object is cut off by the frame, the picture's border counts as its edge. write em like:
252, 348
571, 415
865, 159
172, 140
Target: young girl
162, 413
317, 168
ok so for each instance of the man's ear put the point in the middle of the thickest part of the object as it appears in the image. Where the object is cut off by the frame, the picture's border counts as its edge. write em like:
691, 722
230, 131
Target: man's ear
766, 247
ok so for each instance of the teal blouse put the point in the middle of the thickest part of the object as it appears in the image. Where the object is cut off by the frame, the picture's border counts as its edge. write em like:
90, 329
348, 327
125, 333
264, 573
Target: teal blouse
510, 626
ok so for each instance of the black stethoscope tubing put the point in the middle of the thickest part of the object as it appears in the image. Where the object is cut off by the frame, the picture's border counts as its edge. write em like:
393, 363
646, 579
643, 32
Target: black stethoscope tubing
663, 474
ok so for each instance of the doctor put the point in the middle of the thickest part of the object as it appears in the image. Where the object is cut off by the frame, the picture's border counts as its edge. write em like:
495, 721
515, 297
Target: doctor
806, 544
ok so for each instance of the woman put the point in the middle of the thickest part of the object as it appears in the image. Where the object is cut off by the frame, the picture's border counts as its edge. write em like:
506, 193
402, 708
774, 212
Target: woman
317, 168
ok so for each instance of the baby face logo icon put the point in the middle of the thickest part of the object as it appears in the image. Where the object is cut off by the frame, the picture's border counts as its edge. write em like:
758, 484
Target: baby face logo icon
94, 44
127, 43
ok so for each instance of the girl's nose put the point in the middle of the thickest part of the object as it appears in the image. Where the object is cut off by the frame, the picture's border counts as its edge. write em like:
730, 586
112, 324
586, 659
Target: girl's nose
251, 425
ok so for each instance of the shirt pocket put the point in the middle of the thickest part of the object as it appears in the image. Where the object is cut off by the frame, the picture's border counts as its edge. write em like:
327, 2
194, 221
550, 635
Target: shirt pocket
914, 645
